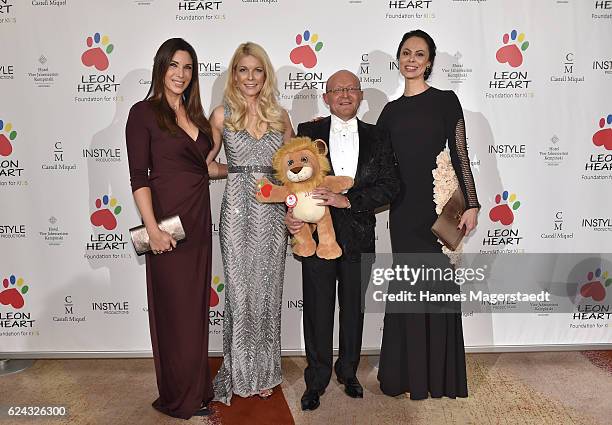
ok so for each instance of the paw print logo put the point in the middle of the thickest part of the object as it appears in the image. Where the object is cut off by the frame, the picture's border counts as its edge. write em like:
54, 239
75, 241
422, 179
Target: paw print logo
595, 287
97, 54
12, 292
7, 135
503, 211
215, 289
603, 137
107, 209
512, 51
305, 53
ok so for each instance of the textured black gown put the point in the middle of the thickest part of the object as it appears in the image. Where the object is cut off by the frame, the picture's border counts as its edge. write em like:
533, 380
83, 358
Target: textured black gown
423, 353
178, 282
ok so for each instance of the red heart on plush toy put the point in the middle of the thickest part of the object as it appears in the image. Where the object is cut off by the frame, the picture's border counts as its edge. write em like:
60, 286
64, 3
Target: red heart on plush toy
266, 189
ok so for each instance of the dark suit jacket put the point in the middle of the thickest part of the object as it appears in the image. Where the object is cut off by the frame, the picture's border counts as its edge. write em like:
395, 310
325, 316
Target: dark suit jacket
376, 184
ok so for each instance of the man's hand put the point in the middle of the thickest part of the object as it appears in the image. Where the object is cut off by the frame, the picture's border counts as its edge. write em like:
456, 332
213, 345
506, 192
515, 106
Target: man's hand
330, 198
293, 224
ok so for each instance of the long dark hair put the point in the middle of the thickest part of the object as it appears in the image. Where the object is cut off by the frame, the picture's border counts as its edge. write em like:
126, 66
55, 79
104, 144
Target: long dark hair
430, 45
166, 117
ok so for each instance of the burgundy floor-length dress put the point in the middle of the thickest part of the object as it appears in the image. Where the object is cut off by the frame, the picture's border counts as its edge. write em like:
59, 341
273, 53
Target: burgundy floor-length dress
178, 282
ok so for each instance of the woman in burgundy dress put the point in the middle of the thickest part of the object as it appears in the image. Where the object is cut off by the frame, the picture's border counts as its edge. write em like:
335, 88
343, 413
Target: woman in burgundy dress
168, 139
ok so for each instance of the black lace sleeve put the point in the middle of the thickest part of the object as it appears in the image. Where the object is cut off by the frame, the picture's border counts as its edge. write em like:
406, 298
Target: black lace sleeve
455, 134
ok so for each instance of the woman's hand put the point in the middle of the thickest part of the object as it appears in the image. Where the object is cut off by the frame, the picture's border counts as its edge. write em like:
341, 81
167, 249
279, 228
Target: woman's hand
469, 219
217, 170
160, 241
293, 224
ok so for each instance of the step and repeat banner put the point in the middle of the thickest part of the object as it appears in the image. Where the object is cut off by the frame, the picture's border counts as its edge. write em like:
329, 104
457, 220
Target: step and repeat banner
534, 79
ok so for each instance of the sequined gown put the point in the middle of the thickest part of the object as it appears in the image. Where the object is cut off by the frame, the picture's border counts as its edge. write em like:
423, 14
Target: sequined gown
423, 353
253, 246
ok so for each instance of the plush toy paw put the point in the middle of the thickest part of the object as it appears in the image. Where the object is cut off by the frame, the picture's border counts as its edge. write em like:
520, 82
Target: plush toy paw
264, 189
329, 251
305, 249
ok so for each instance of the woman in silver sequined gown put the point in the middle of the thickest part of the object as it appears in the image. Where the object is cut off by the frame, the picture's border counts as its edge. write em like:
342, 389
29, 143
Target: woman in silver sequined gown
253, 236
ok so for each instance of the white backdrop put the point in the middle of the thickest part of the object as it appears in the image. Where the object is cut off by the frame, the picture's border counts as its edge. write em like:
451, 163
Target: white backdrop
535, 115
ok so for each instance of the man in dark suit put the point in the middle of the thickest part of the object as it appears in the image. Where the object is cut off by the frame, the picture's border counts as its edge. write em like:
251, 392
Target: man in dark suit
361, 151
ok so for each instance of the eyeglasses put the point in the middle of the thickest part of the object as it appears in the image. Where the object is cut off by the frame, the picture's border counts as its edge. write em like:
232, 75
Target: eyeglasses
347, 90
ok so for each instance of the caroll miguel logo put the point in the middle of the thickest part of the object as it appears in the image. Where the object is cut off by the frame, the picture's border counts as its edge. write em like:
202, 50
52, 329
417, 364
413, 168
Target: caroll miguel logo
104, 217
305, 53
8, 137
96, 55
511, 53
602, 138
503, 212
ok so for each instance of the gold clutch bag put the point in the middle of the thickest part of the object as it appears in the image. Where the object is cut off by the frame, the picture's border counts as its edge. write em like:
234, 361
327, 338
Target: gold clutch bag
445, 227
171, 225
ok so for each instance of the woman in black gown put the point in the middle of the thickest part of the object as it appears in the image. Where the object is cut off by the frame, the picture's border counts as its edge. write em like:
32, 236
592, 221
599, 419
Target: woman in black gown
168, 139
423, 353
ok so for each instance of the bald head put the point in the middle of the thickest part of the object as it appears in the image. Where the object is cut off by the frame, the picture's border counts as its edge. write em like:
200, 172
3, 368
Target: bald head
343, 74
343, 94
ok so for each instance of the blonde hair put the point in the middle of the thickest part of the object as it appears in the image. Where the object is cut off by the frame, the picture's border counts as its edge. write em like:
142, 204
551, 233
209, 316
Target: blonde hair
268, 109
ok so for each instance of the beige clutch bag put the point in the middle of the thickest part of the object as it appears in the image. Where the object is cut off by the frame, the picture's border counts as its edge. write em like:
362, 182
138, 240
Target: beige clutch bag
171, 225
445, 227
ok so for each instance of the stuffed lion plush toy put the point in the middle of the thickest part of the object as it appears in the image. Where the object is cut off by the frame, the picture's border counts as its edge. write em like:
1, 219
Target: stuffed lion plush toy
301, 165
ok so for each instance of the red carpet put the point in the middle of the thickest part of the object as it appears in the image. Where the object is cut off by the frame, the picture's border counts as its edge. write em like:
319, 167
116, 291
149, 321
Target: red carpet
251, 410
601, 359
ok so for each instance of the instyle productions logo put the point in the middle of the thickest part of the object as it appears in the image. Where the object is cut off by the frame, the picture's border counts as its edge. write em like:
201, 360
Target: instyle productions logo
511, 83
599, 164
13, 293
100, 86
9, 167
410, 9
7, 72
104, 219
215, 289
503, 214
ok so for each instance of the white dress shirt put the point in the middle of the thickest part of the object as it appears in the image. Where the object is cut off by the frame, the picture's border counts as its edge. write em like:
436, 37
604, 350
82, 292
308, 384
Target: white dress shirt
344, 146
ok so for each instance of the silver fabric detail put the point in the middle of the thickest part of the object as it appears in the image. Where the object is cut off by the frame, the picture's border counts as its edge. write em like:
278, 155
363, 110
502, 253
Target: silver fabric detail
264, 169
253, 245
